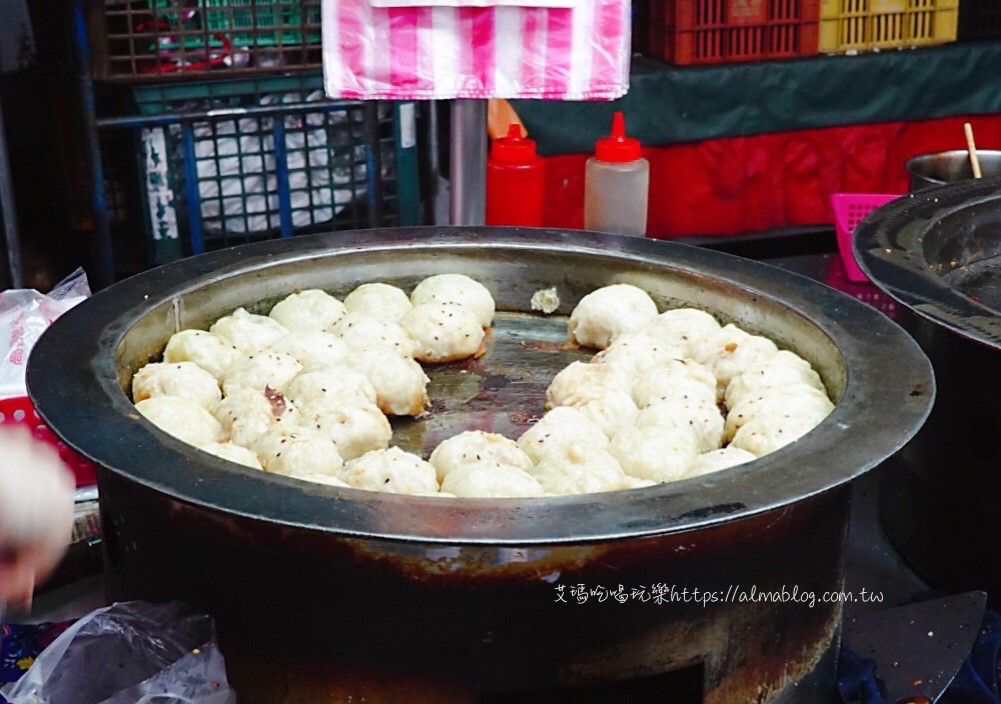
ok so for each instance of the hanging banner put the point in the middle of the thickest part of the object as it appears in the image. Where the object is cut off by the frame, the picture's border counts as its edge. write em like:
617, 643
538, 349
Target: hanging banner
475, 3
437, 52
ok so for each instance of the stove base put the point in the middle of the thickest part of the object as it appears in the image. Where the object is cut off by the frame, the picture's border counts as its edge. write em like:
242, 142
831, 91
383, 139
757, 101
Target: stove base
309, 618
278, 678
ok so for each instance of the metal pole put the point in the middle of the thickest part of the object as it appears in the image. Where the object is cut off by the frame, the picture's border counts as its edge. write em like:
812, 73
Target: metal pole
373, 165
103, 273
191, 192
433, 162
8, 213
468, 162
281, 174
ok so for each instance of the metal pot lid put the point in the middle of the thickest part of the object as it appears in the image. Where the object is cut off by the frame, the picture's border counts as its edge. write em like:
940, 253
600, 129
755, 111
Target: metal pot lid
938, 252
887, 393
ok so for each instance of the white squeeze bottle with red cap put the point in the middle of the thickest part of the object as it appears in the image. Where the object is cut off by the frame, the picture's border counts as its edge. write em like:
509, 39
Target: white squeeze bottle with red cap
617, 184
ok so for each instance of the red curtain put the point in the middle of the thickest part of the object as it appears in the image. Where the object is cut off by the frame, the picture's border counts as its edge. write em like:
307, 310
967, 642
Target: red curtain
748, 184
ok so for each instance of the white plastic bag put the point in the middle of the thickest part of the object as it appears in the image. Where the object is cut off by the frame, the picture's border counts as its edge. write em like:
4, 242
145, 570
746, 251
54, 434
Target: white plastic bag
128, 653
24, 316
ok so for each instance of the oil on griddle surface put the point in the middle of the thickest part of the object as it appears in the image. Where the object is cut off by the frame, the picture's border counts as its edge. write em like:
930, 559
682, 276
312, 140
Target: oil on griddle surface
503, 391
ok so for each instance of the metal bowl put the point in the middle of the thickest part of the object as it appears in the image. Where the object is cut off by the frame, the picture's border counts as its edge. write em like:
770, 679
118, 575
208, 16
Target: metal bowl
877, 374
366, 591
940, 168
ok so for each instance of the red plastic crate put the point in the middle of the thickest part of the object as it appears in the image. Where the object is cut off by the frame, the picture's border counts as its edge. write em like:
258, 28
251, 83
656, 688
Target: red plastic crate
656, 27
19, 411
724, 31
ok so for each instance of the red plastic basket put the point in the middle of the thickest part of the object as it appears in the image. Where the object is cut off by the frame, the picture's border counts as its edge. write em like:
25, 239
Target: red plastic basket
723, 31
849, 210
19, 411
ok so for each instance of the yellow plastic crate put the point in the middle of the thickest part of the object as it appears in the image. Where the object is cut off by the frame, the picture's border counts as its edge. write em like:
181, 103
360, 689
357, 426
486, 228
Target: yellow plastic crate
864, 25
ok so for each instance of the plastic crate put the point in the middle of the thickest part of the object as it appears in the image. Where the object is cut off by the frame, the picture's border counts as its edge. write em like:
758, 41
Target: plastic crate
722, 31
249, 160
153, 38
254, 17
656, 27
979, 19
864, 25
177, 97
849, 210
837, 277
19, 411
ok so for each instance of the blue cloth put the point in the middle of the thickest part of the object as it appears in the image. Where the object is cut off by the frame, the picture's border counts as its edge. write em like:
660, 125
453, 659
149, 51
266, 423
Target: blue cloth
978, 679
20, 645
857, 679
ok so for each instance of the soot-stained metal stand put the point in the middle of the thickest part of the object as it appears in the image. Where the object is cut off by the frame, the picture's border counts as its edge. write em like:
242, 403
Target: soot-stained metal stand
468, 162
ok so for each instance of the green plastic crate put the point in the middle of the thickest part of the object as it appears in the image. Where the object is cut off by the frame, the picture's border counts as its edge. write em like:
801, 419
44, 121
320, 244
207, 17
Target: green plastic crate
246, 23
157, 99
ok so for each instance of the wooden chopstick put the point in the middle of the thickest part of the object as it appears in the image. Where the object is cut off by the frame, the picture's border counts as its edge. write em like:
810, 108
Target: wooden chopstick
971, 146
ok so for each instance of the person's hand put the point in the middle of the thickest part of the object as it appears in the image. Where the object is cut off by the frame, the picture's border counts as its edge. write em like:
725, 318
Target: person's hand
36, 513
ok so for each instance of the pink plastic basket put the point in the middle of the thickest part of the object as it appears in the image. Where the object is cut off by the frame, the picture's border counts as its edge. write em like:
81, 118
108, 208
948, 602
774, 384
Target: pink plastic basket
837, 277
19, 411
849, 210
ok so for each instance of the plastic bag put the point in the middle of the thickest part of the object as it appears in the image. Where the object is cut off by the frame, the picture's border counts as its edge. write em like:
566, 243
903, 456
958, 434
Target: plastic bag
24, 316
129, 653
435, 52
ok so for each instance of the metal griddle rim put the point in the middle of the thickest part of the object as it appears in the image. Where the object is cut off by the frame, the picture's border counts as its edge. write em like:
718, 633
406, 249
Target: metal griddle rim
73, 384
888, 246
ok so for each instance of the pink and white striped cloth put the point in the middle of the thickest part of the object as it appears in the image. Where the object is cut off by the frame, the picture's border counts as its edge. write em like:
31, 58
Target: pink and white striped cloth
579, 53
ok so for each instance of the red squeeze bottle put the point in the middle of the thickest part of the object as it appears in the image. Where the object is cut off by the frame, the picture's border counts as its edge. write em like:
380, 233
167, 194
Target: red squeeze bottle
515, 181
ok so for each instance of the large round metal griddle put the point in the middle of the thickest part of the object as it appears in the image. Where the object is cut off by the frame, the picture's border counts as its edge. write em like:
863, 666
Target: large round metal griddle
938, 253
879, 377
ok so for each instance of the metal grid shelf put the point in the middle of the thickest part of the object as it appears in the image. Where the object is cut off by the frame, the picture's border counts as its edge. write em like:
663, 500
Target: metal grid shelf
225, 163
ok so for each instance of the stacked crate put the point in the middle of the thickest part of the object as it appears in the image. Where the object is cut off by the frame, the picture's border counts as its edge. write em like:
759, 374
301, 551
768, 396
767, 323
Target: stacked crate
864, 25
158, 38
232, 138
722, 31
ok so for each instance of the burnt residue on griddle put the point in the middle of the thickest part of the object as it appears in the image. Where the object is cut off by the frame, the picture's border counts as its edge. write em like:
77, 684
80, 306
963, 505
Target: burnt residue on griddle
469, 364
642, 524
492, 383
437, 405
980, 281
710, 511
552, 347
524, 417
